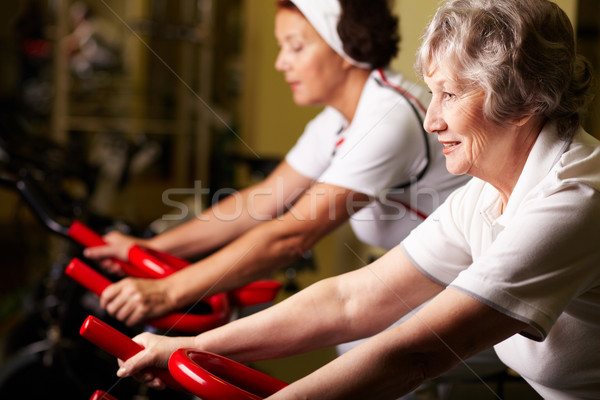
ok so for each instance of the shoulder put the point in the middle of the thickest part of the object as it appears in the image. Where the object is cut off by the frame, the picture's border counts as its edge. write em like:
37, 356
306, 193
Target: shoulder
580, 162
395, 84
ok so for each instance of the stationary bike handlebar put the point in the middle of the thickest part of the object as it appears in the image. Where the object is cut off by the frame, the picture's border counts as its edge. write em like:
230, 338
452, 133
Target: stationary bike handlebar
160, 264
188, 323
119, 345
88, 238
149, 263
206, 375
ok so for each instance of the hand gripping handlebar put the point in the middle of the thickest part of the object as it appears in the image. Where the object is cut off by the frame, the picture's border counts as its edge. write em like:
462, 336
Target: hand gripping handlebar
206, 375
88, 238
189, 323
149, 263
159, 264
116, 343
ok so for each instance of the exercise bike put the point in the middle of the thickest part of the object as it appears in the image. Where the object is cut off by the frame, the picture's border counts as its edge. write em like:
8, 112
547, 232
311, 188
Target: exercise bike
42, 353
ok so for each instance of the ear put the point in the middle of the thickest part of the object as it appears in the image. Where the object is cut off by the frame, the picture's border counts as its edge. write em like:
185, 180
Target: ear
522, 121
346, 65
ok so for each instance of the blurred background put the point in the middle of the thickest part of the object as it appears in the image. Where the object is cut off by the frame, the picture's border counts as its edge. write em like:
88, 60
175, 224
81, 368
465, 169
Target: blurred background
106, 105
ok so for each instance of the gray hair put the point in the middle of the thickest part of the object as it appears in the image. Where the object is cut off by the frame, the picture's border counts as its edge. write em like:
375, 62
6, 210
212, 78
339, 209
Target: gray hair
520, 52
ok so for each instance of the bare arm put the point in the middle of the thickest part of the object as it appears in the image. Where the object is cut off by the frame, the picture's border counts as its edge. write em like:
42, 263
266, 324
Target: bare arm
220, 224
350, 306
266, 247
449, 329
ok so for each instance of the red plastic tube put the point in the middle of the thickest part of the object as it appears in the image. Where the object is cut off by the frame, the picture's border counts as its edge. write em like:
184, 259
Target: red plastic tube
116, 343
153, 262
213, 377
262, 291
160, 264
189, 323
88, 238
150, 263
157, 263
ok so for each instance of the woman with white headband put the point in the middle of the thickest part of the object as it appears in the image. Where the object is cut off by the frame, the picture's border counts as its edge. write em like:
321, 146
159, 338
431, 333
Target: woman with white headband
365, 157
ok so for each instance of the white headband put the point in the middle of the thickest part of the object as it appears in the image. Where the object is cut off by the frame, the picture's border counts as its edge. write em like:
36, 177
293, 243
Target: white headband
324, 16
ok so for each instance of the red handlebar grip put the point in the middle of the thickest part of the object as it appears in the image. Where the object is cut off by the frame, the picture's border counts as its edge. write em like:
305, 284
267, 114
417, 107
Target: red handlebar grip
84, 235
108, 338
119, 345
87, 277
151, 262
88, 238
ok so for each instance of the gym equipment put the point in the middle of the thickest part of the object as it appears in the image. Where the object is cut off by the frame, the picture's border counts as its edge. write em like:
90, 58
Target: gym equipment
206, 375
188, 322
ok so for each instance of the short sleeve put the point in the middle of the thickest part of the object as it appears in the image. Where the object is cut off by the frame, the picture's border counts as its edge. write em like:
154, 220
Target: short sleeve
311, 155
546, 257
438, 247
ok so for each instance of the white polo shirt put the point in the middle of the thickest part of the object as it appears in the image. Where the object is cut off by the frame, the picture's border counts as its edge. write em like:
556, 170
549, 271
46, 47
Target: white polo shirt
383, 147
538, 262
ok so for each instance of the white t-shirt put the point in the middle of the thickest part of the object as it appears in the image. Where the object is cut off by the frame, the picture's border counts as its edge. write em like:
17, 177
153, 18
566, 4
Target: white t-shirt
538, 262
383, 147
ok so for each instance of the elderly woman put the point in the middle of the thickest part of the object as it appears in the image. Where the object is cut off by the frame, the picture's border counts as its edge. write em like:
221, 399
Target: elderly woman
510, 260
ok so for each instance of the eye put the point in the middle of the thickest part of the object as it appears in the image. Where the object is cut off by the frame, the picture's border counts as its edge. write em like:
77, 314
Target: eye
448, 96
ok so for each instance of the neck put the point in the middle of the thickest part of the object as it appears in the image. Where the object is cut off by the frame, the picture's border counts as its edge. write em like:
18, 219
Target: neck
348, 96
510, 169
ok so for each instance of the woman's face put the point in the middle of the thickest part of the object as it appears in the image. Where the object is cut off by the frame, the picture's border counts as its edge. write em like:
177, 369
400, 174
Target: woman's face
310, 66
472, 145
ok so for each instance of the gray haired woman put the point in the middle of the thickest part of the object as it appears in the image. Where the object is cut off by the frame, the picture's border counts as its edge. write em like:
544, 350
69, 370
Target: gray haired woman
510, 260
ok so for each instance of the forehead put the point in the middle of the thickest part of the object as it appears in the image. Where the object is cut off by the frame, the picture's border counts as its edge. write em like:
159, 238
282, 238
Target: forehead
292, 24
439, 75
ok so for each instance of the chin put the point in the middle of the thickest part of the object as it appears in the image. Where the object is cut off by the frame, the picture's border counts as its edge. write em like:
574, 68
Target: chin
455, 169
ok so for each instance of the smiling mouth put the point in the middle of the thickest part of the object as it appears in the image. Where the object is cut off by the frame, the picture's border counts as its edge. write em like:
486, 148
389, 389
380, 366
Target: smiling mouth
449, 146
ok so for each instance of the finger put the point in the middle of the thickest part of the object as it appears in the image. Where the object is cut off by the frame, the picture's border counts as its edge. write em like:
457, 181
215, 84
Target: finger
98, 252
133, 365
131, 315
109, 295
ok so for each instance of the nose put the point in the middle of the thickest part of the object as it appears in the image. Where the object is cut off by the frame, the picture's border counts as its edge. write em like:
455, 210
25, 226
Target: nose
434, 121
280, 62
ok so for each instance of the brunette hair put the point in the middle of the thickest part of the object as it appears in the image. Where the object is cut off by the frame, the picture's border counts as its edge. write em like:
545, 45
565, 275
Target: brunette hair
368, 29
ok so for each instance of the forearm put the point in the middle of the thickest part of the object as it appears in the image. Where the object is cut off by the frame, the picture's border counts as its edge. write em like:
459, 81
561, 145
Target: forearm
210, 230
252, 256
366, 372
398, 360
311, 319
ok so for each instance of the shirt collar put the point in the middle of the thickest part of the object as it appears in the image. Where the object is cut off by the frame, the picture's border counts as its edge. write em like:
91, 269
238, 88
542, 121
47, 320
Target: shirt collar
545, 153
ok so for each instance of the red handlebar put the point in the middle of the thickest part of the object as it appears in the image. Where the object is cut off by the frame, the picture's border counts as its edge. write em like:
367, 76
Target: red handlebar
213, 377
160, 264
88, 238
190, 323
114, 342
205, 375
149, 263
